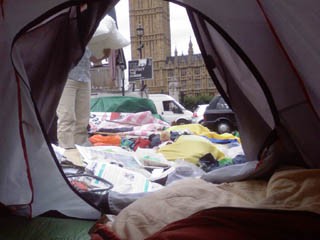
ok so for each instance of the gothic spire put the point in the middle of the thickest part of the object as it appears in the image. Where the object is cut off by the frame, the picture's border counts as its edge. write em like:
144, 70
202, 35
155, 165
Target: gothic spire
190, 50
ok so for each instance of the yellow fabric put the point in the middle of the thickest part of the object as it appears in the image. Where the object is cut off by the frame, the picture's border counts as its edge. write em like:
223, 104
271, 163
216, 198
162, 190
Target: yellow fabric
199, 129
195, 128
190, 148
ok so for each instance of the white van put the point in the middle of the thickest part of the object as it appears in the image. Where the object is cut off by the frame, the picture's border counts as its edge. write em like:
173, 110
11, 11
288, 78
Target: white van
170, 109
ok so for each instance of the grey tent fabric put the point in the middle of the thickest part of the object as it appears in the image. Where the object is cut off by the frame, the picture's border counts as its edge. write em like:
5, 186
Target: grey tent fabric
263, 56
38, 48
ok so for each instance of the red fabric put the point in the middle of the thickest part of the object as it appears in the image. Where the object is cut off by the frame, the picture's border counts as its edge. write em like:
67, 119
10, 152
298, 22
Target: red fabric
103, 233
114, 115
100, 230
141, 143
243, 224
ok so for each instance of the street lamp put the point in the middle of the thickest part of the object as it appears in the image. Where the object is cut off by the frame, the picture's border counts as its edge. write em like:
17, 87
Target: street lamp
122, 66
140, 33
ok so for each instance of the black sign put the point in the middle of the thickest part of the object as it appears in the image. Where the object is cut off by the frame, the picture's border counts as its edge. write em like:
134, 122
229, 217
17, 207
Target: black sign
141, 69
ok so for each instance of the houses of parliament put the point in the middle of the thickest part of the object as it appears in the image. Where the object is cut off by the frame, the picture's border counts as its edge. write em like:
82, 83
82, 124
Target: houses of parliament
174, 75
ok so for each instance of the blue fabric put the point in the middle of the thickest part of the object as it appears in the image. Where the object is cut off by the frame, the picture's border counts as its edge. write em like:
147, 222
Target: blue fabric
222, 141
81, 72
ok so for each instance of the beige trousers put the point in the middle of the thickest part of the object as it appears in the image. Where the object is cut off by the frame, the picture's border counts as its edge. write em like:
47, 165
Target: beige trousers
73, 114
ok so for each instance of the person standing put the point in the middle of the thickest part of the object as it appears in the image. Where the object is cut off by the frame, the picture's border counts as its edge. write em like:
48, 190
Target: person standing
73, 111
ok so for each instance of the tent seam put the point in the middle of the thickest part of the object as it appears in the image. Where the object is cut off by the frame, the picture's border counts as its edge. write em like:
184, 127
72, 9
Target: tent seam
295, 70
23, 142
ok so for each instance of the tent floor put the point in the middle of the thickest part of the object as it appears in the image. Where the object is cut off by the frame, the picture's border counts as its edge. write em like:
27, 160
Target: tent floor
17, 228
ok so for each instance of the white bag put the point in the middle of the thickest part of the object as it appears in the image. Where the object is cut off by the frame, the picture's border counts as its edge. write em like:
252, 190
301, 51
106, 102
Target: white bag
107, 36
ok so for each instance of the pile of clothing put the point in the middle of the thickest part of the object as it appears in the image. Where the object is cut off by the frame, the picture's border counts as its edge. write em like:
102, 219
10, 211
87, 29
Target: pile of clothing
138, 153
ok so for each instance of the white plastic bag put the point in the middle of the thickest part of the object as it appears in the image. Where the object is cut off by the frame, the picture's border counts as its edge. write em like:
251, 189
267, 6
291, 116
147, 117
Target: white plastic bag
107, 36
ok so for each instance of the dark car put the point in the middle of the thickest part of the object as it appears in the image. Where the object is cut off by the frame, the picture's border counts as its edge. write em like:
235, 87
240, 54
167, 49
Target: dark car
219, 117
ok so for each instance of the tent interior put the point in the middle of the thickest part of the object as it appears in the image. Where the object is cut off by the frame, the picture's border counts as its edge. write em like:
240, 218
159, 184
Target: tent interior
263, 56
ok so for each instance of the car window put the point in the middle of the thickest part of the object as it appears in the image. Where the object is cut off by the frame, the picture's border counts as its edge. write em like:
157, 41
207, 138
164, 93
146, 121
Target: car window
170, 106
221, 104
198, 109
166, 105
218, 103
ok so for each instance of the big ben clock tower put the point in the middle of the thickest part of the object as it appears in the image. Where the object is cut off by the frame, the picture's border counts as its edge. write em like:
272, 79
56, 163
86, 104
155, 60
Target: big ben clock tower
153, 17
150, 38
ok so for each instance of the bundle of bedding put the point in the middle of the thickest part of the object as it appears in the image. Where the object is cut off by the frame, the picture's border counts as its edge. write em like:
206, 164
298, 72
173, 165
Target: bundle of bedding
295, 191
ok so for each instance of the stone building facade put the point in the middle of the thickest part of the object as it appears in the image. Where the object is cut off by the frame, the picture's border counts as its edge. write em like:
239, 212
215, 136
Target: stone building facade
174, 75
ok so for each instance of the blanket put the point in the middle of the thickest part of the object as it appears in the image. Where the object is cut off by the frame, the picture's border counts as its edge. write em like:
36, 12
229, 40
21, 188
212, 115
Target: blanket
141, 123
287, 189
243, 224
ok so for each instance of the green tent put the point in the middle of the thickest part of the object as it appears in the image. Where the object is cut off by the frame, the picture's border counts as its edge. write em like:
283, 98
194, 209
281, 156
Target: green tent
123, 104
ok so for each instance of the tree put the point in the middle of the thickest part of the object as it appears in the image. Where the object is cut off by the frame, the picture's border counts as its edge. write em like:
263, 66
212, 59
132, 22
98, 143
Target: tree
191, 102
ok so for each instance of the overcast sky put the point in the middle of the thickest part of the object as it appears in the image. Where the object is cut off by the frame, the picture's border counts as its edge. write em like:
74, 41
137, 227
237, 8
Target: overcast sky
180, 36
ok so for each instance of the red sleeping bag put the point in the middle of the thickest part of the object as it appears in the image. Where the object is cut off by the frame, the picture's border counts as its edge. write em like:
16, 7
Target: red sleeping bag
243, 224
